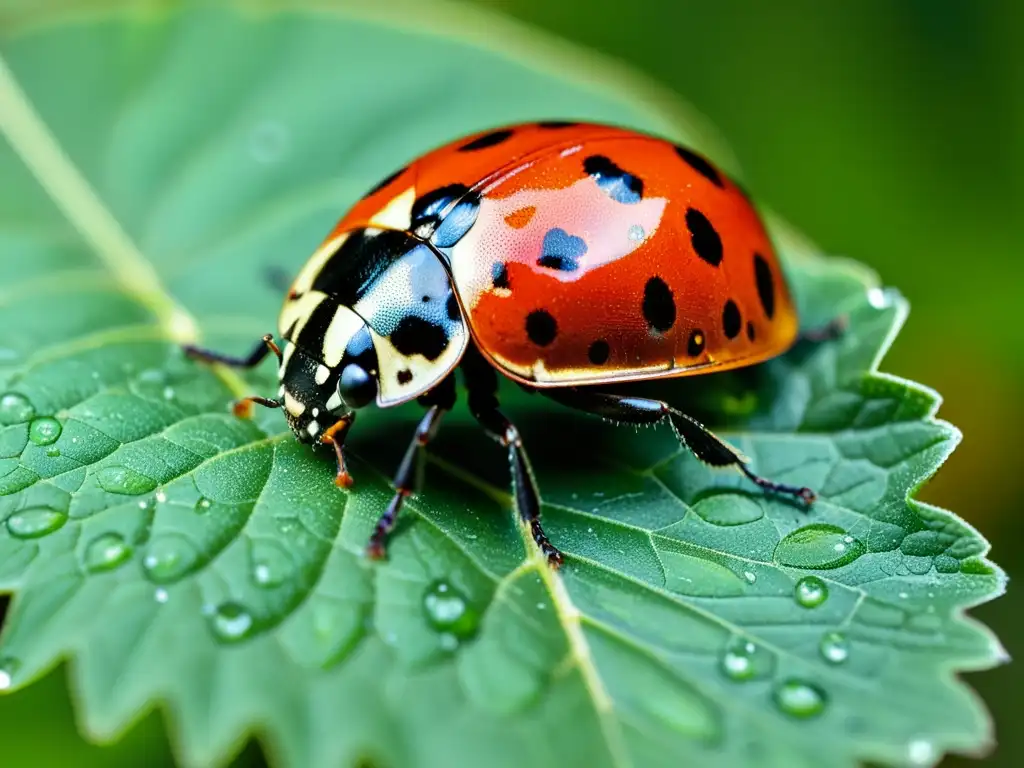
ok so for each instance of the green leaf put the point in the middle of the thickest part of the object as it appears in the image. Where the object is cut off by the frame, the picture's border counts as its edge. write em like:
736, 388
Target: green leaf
157, 164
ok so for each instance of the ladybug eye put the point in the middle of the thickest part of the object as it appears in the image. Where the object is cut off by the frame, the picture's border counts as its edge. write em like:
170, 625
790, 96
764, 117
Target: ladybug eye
356, 386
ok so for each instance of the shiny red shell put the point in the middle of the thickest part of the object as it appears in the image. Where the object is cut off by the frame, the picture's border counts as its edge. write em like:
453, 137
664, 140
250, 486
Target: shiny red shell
599, 254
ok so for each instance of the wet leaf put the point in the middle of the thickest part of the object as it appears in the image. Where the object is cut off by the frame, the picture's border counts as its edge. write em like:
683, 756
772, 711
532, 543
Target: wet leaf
157, 165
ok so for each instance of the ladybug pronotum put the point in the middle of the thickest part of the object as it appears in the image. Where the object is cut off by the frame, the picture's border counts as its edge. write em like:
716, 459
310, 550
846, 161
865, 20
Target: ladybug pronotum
564, 256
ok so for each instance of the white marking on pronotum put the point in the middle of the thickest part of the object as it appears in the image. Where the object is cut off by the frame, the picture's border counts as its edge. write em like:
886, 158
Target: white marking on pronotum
344, 325
316, 412
397, 214
293, 406
313, 428
322, 374
334, 402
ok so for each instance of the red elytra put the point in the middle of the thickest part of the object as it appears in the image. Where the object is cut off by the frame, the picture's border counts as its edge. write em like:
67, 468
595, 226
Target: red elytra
565, 256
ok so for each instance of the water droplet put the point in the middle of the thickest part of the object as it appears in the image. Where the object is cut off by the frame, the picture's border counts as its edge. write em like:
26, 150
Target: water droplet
44, 430
818, 546
106, 552
145, 504
750, 577
877, 298
231, 622
169, 556
203, 505
742, 659
449, 611
635, 233
799, 699
834, 647
8, 667
117, 479
810, 592
448, 641
271, 564
53, 451
160, 595
269, 142
161, 497
168, 393
15, 408
921, 752
35, 522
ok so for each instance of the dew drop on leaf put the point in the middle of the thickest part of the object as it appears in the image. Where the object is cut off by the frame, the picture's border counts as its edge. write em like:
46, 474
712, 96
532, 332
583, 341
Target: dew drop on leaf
8, 667
818, 546
231, 622
169, 556
810, 592
834, 648
448, 610
921, 752
742, 659
106, 552
44, 430
270, 563
35, 522
799, 699
15, 408
117, 479
203, 505
160, 595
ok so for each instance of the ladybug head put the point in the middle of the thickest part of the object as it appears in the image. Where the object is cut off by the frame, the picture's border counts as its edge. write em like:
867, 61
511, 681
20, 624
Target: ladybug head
315, 396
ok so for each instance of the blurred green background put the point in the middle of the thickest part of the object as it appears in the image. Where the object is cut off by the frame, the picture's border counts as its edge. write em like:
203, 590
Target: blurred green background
891, 132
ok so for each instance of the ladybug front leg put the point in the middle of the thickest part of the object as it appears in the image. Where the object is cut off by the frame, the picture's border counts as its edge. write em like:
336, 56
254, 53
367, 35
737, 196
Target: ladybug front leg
409, 477
704, 444
242, 408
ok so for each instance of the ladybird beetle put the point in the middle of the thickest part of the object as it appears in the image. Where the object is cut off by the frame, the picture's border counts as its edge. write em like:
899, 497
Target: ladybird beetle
564, 256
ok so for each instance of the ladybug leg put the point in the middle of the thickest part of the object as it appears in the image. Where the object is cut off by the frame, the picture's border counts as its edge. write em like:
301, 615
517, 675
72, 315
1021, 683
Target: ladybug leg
482, 383
704, 444
409, 477
254, 358
335, 437
243, 408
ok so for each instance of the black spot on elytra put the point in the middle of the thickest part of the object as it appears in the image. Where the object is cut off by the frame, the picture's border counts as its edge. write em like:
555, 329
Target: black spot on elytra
659, 308
452, 307
705, 239
765, 285
416, 336
751, 331
700, 165
404, 376
384, 182
621, 186
499, 275
487, 140
541, 327
561, 251
556, 124
732, 322
599, 352
695, 344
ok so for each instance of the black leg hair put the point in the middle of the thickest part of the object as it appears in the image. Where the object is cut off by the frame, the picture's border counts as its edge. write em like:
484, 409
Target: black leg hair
409, 477
694, 435
482, 384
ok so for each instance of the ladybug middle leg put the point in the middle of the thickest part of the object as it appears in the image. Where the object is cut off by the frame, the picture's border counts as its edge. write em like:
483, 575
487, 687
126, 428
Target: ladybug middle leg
409, 477
705, 445
482, 385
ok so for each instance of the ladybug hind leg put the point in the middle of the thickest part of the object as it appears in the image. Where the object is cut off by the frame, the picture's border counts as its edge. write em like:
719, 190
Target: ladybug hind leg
705, 445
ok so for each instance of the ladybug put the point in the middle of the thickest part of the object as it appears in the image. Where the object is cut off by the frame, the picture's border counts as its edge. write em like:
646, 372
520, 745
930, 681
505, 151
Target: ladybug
564, 256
